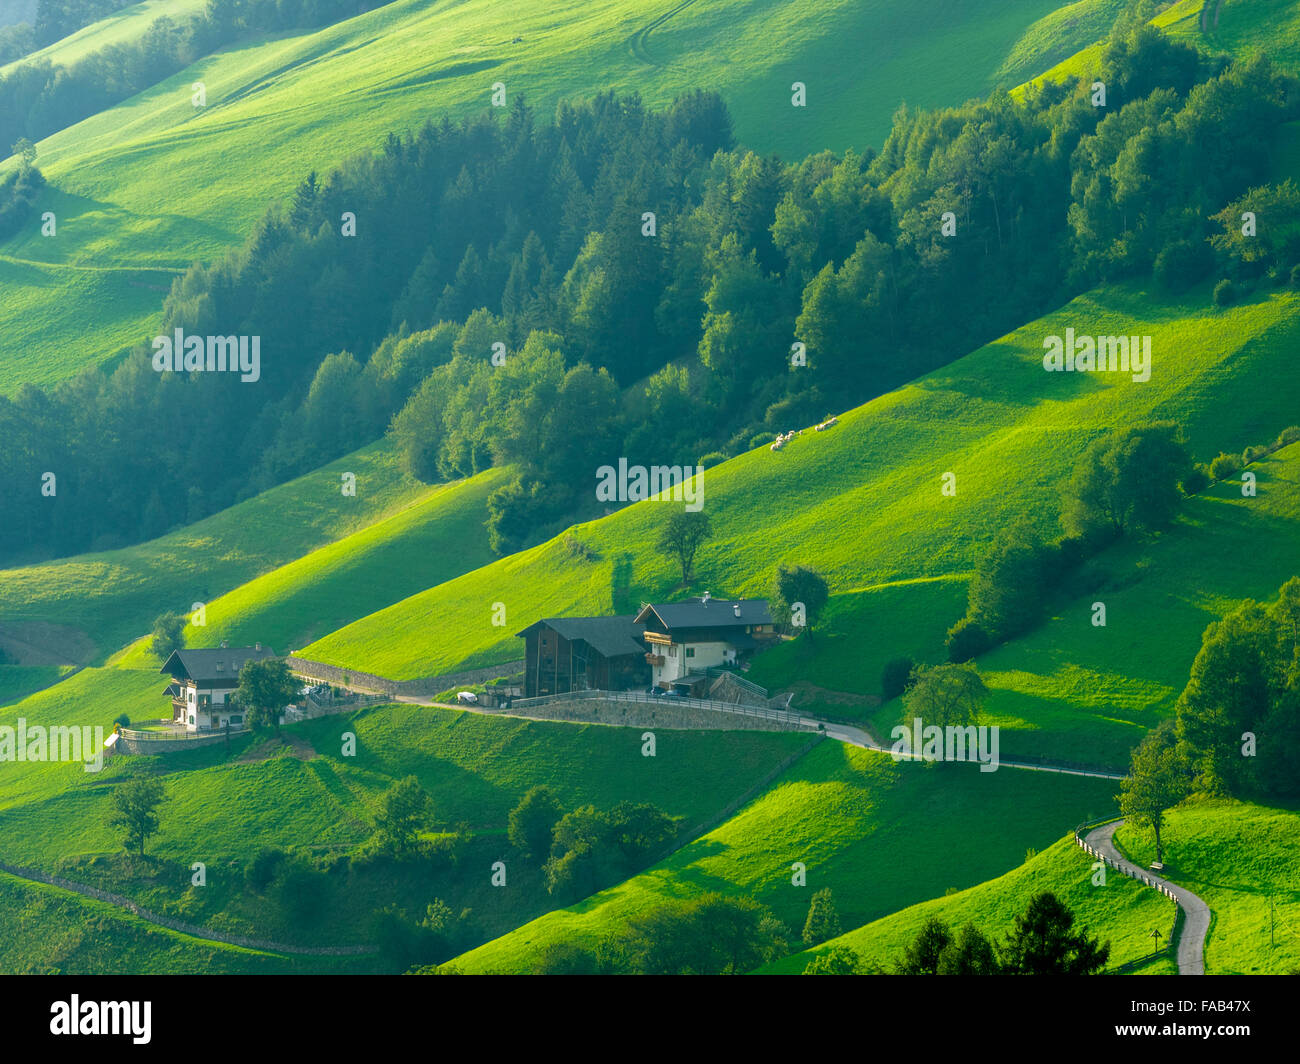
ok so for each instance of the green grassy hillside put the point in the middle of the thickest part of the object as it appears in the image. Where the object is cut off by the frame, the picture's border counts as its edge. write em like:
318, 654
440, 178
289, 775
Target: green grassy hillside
111, 597
882, 835
154, 183
1244, 27
18, 681
45, 931
1069, 689
862, 502
1238, 857
1123, 912
438, 537
128, 24
307, 795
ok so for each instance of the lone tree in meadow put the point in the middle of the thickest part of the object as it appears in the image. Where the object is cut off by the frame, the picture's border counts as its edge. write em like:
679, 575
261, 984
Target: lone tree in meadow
1127, 481
799, 596
1239, 715
946, 695
1157, 781
823, 921
135, 808
26, 152
168, 635
921, 955
1044, 942
682, 537
265, 687
532, 822
403, 809
969, 953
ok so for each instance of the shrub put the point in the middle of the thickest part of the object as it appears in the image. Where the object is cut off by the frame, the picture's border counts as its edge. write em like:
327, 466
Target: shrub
895, 677
1071, 552
1253, 454
712, 459
838, 960
262, 871
1224, 466
299, 890
966, 640
566, 958
761, 439
1295, 276
1182, 264
1225, 293
577, 549
1197, 480
532, 822
794, 411
123, 720
1290, 434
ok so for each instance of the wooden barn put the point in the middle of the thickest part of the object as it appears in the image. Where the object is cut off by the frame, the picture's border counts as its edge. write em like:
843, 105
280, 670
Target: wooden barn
563, 654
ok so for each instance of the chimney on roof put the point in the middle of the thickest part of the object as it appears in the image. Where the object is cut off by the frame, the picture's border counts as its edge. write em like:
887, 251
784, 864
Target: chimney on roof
224, 644
735, 608
257, 646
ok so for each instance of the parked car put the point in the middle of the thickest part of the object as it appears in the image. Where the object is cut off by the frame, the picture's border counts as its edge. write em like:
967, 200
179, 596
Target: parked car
467, 698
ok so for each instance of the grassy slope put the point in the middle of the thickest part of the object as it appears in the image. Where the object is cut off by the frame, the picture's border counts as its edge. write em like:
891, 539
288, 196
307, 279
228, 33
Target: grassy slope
476, 767
1069, 689
114, 595
1057, 36
1122, 912
860, 632
222, 808
435, 538
1245, 27
18, 681
44, 930
881, 835
862, 502
140, 184
1235, 855
120, 27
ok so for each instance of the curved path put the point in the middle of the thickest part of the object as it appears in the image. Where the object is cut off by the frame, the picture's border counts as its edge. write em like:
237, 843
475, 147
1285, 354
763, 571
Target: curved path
30, 875
637, 42
1196, 914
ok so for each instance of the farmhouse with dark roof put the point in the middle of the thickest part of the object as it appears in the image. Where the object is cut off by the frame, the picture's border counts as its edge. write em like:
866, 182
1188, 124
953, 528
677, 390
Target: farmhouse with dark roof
667, 645
203, 681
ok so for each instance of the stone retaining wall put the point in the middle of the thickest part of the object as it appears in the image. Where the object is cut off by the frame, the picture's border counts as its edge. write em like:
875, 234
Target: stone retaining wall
167, 744
649, 715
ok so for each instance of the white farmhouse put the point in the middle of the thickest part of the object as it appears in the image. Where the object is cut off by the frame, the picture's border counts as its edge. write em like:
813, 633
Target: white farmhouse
203, 681
686, 638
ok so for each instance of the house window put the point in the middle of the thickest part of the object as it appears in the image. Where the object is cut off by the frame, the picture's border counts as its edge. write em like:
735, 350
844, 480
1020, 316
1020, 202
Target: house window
690, 652
191, 718
236, 720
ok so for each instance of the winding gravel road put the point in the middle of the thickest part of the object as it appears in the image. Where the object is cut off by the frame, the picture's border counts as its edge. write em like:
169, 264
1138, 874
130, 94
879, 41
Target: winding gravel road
1196, 914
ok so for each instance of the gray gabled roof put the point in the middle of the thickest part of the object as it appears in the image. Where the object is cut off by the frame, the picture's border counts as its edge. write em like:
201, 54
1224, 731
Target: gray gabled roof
611, 636
715, 613
216, 663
